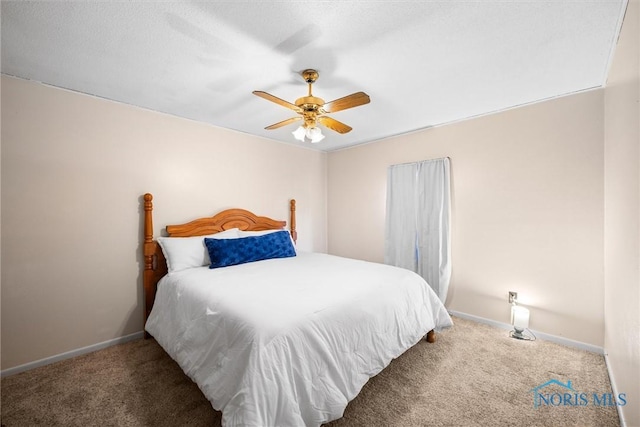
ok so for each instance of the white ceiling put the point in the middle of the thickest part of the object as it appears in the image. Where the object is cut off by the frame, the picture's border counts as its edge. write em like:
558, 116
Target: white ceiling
423, 63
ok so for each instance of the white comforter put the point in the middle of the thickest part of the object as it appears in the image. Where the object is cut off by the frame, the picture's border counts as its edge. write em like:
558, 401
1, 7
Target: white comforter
290, 341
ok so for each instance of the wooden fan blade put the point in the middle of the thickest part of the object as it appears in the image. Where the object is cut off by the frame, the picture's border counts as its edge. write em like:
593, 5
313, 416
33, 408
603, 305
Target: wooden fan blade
283, 123
277, 100
349, 101
334, 124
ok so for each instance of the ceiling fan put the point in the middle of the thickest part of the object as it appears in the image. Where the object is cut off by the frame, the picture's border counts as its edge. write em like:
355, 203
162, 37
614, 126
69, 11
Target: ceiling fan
313, 110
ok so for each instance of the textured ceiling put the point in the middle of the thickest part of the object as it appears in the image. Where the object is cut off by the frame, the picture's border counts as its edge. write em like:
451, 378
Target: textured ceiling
423, 63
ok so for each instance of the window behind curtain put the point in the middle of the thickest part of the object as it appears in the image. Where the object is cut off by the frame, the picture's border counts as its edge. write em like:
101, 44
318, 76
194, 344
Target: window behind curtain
417, 235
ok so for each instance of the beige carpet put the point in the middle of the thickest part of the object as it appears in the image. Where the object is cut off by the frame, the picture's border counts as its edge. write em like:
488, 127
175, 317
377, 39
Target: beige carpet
474, 375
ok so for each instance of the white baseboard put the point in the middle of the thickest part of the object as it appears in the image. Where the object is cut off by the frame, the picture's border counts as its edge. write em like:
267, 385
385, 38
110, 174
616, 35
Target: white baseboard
137, 335
547, 337
70, 354
614, 390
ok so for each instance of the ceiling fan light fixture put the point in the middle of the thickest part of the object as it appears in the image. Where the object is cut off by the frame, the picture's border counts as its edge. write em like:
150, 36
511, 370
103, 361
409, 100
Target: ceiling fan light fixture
314, 134
311, 133
299, 133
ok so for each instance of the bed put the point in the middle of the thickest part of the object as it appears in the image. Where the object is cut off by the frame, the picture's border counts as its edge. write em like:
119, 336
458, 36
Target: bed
284, 340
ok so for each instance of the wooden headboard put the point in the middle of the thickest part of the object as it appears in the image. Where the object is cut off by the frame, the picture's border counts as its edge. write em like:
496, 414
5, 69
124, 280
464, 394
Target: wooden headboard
155, 265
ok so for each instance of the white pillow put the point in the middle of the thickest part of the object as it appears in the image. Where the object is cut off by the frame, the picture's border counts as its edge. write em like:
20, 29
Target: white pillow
188, 252
244, 233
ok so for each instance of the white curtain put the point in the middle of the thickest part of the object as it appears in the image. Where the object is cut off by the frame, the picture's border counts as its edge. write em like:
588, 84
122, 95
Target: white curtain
417, 233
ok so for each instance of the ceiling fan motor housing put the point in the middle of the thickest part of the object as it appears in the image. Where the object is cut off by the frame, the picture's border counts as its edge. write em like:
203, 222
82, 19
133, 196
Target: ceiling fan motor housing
310, 103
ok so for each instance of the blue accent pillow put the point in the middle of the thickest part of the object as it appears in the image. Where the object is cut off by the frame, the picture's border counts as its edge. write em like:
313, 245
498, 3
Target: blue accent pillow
225, 252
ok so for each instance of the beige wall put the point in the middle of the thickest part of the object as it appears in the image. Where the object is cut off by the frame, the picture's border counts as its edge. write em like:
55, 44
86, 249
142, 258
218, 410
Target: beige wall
527, 214
622, 216
74, 168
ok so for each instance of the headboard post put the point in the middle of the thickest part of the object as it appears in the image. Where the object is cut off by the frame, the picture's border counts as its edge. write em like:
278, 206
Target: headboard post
148, 229
294, 233
149, 252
